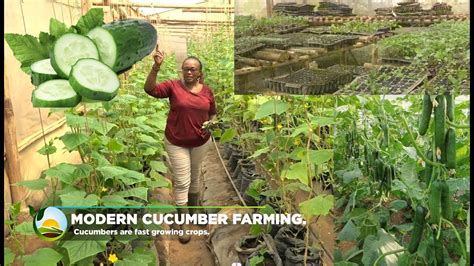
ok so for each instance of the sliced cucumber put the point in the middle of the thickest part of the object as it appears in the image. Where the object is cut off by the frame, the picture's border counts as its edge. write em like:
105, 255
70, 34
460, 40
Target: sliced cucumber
94, 80
42, 71
123, 43
55, 93
70, 48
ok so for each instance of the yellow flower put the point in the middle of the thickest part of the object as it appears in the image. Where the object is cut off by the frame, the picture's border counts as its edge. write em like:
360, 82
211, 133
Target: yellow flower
113, 258
297, 142
279, 126
104, 189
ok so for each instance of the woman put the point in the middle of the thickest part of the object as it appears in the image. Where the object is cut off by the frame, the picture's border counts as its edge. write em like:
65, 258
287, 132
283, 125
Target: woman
186, 139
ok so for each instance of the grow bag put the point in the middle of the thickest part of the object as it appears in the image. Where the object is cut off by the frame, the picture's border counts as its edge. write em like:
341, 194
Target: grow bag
248, 245
235, 157
247, 176
289, 236
295, 257
271, 257
229, 148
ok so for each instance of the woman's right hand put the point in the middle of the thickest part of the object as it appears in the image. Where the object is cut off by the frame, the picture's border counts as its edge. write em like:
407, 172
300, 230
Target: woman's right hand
158, 57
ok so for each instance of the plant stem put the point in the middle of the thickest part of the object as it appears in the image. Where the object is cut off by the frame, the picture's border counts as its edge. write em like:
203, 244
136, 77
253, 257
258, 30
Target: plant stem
418, 150
388, 253
457, 125
457, 236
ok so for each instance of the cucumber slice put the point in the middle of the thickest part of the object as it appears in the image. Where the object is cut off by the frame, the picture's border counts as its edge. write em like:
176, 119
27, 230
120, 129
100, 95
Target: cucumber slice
68, 49
42, 71
55, 93
94, 80
123, 43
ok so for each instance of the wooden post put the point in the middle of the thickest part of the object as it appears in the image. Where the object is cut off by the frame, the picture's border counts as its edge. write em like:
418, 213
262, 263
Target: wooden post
269, 8
13, 157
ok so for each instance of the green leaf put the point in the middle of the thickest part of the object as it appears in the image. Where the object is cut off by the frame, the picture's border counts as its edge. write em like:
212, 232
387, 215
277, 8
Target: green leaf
101, 127
93, 18
345, 263
63, 171
146, 138
79, 198
260, 152
318, 157
271, 107
42, 257
298, 171
350, 232
228, 135
113, 200
158, 166
398, 204
73, 140
139, 192
112, 171
82, 170
320, 205
114, 146
322, 121
348, 177
37, 184
25, 228
47, 149
256, 260
57, 28
8, 257
78, 249
135, 259
73, 120
26, 49
46, 41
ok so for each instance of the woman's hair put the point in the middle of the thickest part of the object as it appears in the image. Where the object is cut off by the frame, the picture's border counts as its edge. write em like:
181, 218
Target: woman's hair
195, 58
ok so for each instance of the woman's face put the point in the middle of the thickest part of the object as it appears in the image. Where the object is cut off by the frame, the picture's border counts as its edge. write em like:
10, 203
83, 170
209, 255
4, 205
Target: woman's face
191, 71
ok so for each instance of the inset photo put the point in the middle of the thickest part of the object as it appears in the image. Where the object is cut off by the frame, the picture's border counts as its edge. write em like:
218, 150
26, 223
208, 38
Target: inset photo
351, 48
402, 175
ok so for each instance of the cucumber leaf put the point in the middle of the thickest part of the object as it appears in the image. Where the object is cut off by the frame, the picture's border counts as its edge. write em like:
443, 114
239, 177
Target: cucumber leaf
57, 28
46, 40
26, 49
93, 18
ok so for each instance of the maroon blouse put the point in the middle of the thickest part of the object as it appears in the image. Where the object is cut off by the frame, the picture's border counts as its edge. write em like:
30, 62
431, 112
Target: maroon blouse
188, 113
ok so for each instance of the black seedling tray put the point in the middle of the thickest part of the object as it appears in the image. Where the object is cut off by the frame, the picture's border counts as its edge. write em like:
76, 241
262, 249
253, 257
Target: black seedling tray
332, 41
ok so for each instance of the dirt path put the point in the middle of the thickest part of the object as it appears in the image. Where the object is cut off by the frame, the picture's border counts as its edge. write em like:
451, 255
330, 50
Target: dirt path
216, 190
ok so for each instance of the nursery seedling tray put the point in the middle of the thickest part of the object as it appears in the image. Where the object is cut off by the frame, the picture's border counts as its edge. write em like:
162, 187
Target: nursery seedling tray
384, 81
309, 82
246, 46
332, 41
275, 41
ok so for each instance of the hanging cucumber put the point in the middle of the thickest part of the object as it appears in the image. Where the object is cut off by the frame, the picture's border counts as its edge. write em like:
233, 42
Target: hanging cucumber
42, 71
55, 93
94, 80
425, 117
440, 121
68, 49
123, 43
418, 226
446, 205
435, 201
450, 148
450, 106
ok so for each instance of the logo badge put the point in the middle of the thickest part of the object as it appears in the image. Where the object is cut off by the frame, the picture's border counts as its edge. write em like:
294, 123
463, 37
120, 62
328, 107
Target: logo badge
50, 224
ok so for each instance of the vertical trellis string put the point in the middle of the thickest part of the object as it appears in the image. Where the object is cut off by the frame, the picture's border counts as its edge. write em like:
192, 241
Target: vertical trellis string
39, 110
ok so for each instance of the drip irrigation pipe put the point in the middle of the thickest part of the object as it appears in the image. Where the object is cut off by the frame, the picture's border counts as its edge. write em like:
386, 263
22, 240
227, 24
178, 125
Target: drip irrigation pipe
227, 172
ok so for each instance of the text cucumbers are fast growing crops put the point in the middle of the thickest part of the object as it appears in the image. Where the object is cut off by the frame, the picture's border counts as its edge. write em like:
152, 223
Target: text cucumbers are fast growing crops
83, 61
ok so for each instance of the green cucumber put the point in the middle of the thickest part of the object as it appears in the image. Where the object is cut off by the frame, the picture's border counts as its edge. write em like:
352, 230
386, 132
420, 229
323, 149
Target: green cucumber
123, 43
68, 49
435, 201
94, 80
440, 121
425, 117
450, 106
446, 205
55, 93
418, 227
42, 71
379, 169
450, 149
